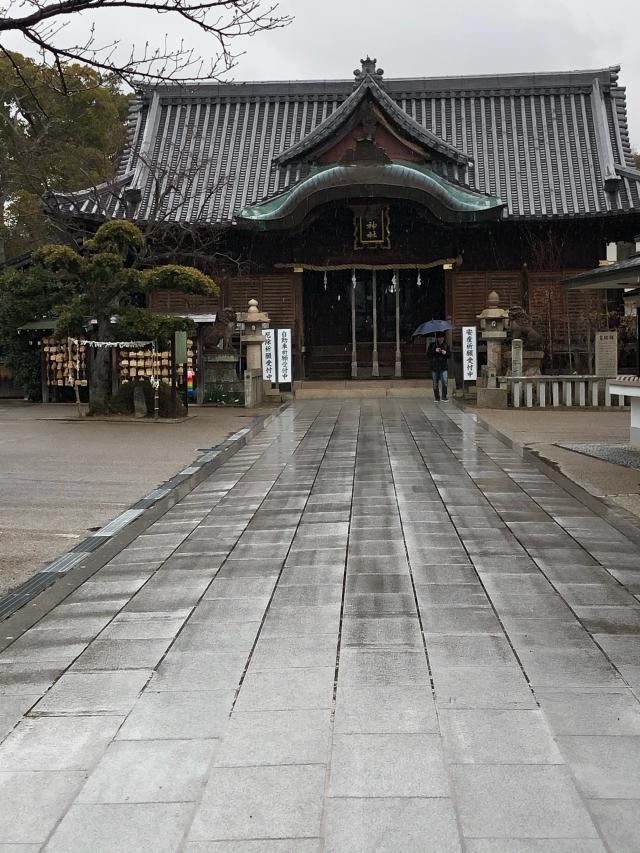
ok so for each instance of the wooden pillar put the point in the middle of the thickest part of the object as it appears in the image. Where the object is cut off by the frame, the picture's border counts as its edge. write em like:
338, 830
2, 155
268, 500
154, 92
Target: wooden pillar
449, 285
44, 376
299, 348
375, 369
354, 350
174, 378
398, 370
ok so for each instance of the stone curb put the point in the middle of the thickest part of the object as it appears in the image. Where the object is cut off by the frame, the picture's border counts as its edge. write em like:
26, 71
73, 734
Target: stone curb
24, 606
618, 517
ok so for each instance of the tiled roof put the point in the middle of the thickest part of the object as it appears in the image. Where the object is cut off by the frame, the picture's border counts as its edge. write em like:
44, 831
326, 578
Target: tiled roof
622, 274
549, 145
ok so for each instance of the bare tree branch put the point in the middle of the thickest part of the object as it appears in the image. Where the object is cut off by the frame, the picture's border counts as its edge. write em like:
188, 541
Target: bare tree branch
225, 21
195, 242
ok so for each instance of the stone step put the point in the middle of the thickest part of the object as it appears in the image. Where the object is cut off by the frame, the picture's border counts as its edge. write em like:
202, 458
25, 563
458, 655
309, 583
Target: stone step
363, 389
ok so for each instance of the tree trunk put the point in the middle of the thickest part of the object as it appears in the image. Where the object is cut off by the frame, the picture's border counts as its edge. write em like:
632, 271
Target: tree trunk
100, 378
3, 254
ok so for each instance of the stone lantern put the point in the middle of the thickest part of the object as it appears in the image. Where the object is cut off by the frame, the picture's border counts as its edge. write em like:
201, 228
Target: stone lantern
494, 322
253, 322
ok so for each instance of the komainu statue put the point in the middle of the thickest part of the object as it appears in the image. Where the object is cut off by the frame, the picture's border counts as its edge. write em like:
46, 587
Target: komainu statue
521, 327
222, 330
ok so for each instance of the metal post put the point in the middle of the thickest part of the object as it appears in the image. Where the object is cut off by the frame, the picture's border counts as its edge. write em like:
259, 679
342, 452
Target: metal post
354, 350
375, 370
398, 370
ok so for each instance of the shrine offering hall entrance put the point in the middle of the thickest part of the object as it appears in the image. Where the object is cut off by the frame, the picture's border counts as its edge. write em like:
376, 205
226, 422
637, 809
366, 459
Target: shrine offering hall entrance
382, 307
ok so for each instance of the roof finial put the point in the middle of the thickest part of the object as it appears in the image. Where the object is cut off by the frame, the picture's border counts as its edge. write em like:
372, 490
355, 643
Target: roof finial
368, 69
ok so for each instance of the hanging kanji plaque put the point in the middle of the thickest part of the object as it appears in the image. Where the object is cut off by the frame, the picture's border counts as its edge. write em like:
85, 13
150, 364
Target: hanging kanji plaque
371, 227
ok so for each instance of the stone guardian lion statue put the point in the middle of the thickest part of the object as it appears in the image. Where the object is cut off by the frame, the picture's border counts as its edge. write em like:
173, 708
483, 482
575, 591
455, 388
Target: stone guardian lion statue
222, 330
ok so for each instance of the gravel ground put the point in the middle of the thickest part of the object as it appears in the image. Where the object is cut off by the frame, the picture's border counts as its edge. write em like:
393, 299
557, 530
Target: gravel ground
62, 477
618, 454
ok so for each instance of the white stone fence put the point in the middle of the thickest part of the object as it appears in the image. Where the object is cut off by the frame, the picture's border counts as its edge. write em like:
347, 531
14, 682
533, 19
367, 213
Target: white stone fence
571, 390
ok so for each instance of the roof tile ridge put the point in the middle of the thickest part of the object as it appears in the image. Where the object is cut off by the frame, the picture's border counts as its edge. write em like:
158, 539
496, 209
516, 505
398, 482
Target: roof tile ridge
611, 72
369, 84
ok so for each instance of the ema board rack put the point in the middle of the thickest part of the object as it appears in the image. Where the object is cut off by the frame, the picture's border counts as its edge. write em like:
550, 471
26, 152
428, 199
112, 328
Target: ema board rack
136, 365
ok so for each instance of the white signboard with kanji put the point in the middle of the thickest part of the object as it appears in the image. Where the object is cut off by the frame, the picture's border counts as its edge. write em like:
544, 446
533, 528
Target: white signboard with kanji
606, 353
469, 354
284, 355
269, 355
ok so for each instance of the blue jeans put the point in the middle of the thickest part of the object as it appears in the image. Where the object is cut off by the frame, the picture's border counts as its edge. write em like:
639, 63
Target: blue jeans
440, 376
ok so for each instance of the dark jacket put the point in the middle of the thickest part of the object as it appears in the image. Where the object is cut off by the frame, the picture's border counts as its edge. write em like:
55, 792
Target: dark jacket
439, 360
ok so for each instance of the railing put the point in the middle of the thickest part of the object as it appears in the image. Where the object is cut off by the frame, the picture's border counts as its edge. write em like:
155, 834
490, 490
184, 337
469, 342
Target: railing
572, 390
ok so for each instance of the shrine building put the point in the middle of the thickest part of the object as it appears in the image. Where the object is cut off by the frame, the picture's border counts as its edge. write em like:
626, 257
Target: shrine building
355, 209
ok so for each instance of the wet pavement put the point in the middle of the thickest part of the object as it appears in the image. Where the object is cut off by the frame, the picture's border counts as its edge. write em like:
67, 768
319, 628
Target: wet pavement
375, 629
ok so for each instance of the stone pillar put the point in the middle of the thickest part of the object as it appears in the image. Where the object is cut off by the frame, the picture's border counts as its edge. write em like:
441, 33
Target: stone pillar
517, 364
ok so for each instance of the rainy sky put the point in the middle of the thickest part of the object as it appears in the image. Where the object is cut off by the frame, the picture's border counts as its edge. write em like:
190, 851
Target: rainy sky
422, 38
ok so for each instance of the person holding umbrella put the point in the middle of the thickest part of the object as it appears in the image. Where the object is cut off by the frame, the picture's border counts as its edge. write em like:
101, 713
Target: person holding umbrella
440, 351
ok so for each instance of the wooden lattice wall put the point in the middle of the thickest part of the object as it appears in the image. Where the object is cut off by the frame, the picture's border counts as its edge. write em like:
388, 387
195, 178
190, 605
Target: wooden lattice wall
557, 314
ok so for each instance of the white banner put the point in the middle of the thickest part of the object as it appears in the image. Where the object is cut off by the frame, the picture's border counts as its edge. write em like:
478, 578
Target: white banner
269, 355
284, 355
469, 354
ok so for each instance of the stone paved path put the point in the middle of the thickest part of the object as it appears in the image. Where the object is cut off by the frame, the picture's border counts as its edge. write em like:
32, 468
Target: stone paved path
374, 630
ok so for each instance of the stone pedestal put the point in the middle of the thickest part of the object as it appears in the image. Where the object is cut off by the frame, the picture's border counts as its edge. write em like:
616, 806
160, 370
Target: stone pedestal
531, 363
139, 402
220, 368
492, 398
220, 375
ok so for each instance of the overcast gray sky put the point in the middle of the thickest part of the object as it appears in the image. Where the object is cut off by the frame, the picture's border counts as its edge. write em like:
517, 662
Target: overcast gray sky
425, 38
416, 38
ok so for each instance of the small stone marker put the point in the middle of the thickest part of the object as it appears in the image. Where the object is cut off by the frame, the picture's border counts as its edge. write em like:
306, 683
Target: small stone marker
139, 402
606, 353
516, 357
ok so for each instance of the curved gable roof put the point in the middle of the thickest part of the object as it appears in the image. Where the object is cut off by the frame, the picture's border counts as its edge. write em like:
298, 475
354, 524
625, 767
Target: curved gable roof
331, 126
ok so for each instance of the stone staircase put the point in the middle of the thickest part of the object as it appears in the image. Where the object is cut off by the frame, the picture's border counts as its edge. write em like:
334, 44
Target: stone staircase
350, 389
